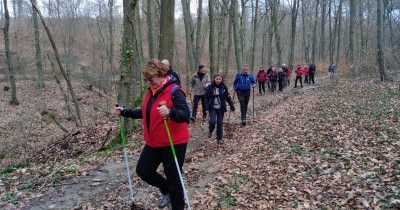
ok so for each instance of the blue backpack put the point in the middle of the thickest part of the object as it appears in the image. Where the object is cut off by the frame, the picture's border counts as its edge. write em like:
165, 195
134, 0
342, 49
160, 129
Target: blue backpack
187, 104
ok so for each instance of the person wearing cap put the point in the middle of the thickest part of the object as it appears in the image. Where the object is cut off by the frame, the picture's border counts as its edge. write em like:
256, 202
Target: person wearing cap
200, 81
242, 85
170, 72
160, 104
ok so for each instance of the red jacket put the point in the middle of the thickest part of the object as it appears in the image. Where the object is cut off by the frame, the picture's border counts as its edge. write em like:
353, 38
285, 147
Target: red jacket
299, 72
155, 134
261, 76
305, 71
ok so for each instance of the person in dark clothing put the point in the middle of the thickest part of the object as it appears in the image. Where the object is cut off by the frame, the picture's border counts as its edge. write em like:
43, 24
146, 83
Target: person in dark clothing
269, 71
161, 103
281, 79
273, 79
299, 73
311, 72
199, 83
170, 72
261, 78
216, 97
331, 70
242, 84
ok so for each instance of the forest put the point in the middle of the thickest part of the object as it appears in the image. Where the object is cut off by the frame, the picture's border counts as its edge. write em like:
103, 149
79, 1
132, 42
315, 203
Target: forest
64, 65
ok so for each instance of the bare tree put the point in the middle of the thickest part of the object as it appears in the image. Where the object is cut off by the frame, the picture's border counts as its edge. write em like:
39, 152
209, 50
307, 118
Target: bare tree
57, 56
380, 41
294, 11
352, 27
111, 34
274, 18
211, 37
151, 27
322, 36
38, 53
314, 39
254, 36
167, 30
339, 25
236, 33
187, 18
305, 45
197, 54
10, 68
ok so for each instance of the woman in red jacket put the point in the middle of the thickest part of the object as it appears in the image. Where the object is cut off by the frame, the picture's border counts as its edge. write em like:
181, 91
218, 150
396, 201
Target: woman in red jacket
299, 73
162, 102
306, 73
261, 78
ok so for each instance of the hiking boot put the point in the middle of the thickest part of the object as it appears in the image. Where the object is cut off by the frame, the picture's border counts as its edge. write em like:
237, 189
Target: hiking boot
164, 202
209, 134
219, 141
243, 123
193, 119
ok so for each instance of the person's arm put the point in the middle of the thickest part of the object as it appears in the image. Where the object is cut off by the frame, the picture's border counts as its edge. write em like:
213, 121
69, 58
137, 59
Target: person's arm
229, 99
132, 113
235, 83
207, 97
180, 112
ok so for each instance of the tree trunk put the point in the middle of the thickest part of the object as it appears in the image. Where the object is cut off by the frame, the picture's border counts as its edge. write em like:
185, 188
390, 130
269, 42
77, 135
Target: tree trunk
254, 38
380, 41
211, 38
151, 27
236, 34
274, 18
243, 29
197, 54
39, 66
314, 42
322, 36
167, 30
10, 68
361, 29
57, 56
305, 47
111, 38
190, 51
339, 32
294, 9
352, 27
331, 34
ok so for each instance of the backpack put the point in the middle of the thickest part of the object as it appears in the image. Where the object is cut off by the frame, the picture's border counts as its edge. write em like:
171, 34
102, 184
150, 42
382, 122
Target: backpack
174, 88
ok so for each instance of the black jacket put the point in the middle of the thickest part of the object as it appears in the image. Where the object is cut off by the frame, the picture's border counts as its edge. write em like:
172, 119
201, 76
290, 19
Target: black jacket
174, 76
223, 96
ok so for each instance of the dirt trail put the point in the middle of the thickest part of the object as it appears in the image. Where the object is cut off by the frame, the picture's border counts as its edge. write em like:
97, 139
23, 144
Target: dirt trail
106, 185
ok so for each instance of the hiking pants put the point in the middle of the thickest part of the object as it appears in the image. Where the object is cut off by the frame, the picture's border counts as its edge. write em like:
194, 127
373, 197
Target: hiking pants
196, 100
280, 83
244, 98
261, 87
216, 117
311, 78
301, 81
147, 166
273, 85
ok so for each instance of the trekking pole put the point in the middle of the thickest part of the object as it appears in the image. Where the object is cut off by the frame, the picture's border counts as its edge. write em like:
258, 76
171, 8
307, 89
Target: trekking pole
121, 128
175, 159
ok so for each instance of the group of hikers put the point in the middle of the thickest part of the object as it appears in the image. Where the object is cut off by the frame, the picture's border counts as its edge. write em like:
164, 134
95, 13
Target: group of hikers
166, 114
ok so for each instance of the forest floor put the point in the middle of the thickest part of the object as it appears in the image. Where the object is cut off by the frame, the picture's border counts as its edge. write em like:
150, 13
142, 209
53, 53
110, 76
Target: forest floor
331, 145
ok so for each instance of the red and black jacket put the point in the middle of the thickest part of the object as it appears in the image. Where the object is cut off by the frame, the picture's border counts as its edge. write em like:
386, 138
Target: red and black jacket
155, 134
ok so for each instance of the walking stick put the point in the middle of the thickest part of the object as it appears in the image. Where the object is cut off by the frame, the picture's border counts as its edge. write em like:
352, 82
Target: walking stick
121, 128
175, 159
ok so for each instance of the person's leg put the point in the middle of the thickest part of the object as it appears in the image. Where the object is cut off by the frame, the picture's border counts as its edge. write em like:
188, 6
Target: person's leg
295, 82
220, 119
301, 81
243, 105
203, 106
195, 104
259, 88
263, 86
213, 120
269, 84
146, 169
173, 180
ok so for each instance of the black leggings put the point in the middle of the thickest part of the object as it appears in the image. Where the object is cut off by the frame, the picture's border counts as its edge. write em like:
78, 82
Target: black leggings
147, 166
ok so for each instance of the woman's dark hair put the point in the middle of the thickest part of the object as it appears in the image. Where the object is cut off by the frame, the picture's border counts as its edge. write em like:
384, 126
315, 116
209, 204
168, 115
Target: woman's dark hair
218, 75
